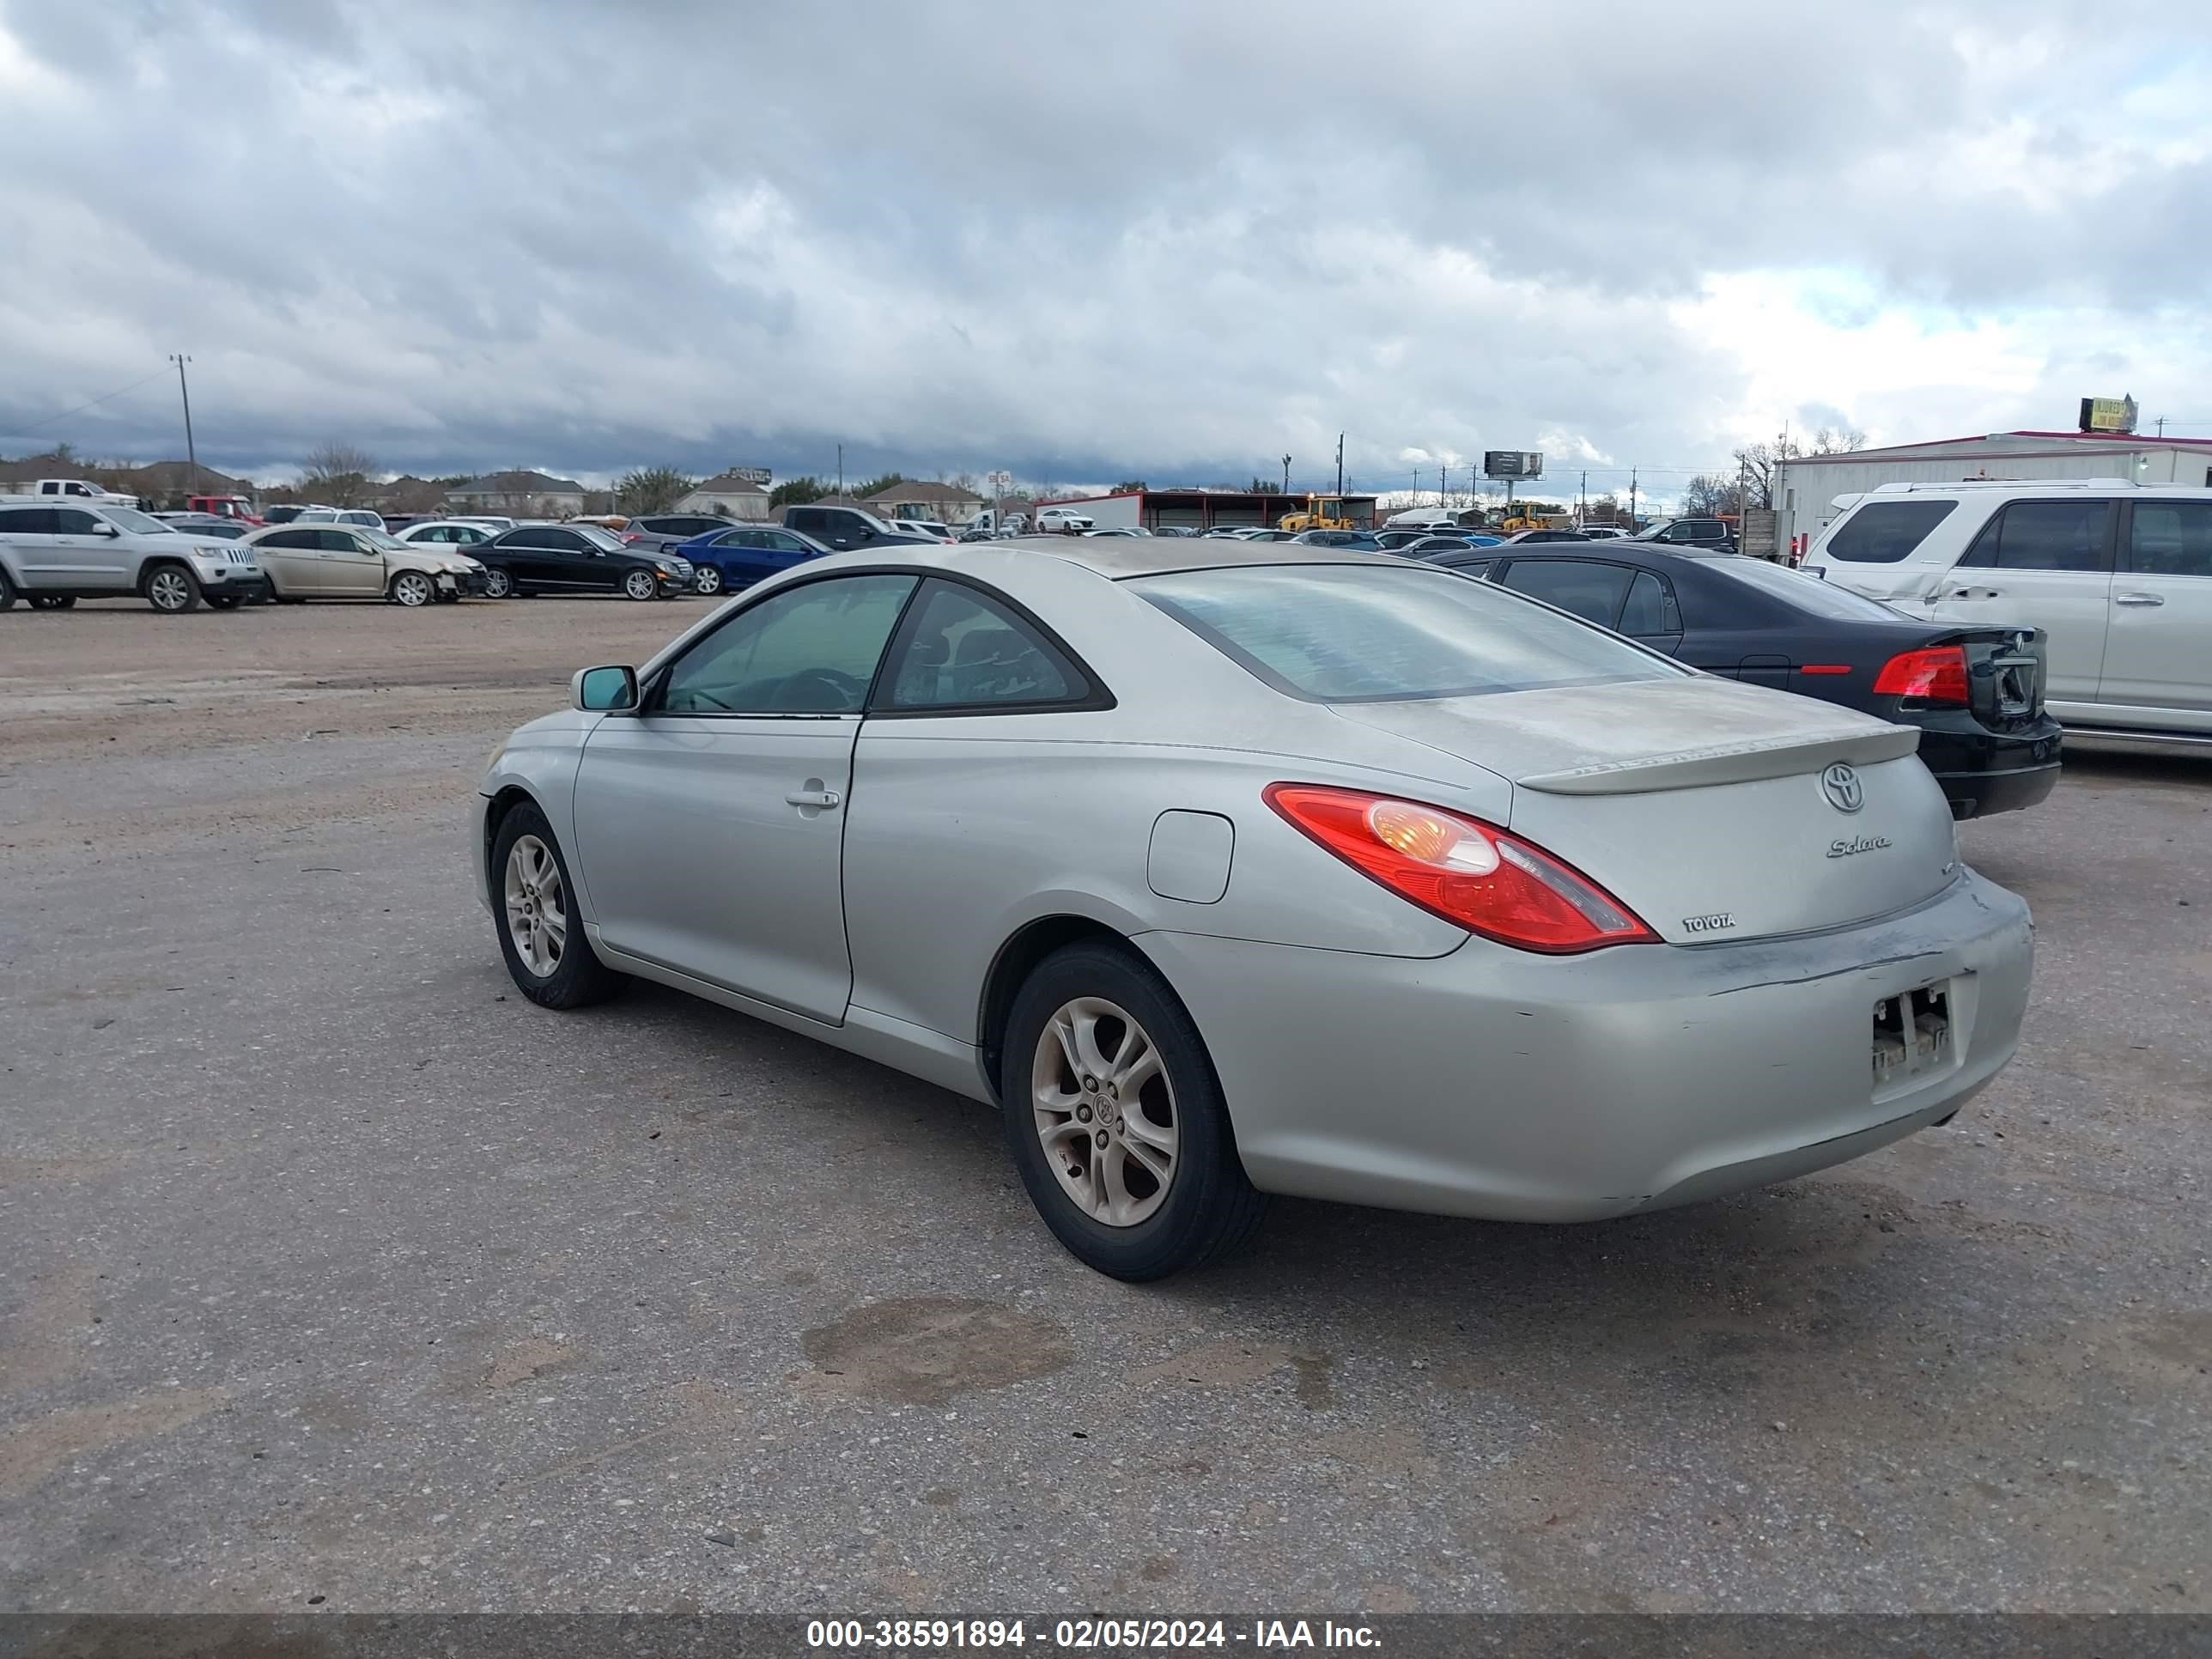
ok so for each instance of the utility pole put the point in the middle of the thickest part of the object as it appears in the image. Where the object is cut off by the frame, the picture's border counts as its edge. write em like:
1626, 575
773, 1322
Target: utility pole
2162, 426
1632, 525
1440, 486
192, 455
1286, 475
1582, 502
841, 468
1340, 469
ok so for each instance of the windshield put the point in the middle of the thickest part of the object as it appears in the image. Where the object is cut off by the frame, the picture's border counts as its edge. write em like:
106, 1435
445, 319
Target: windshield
1806, 593
1356, 634
139, 523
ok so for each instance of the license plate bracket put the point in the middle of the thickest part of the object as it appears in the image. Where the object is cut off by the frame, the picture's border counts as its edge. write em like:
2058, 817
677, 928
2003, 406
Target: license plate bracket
1912, 1036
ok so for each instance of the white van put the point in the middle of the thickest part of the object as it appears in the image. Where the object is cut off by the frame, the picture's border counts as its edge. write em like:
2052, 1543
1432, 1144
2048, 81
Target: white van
2117, 574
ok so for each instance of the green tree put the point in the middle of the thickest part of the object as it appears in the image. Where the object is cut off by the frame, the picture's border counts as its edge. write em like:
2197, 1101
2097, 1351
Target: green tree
651, 489
796, 492
1263, 487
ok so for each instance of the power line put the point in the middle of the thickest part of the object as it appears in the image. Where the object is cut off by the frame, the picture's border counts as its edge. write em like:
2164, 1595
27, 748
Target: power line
95, 403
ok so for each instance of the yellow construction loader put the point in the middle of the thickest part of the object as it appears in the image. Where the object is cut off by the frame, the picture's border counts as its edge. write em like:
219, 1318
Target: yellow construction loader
1321, 512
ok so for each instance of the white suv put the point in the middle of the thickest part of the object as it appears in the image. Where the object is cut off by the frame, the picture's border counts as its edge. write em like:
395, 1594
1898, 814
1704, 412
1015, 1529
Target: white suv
55, 555
2117, 574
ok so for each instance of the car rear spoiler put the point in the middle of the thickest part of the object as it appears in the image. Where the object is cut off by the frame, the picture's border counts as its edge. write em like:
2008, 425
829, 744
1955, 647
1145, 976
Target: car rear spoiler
1743, 764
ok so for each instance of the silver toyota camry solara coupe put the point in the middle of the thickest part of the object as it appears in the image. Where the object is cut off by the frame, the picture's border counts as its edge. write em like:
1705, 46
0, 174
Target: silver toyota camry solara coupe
1225, 869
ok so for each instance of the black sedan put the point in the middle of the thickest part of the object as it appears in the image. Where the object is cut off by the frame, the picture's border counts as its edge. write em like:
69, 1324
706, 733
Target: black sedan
1975, 693
576, 558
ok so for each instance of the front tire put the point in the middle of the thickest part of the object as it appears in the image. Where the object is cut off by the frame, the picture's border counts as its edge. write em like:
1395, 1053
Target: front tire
709, 580
1117, 1120
641, 585
413, 589
498, 584
171, 590
540, 934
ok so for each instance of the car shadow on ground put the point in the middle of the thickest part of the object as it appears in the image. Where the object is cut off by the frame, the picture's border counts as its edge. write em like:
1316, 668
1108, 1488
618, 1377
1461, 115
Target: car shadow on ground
1798, 1263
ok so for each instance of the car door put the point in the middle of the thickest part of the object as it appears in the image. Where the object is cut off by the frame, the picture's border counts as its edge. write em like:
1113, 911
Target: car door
87, 551
292, 559
971, 714
30, 535
534, 560
352, 568
2045, 564
2158, 654
710, 825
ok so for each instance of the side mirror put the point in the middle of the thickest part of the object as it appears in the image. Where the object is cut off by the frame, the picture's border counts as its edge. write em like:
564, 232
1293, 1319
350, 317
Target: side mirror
604, 691
109, 531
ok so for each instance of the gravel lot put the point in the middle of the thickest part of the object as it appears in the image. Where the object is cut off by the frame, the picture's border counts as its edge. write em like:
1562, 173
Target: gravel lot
331, 1271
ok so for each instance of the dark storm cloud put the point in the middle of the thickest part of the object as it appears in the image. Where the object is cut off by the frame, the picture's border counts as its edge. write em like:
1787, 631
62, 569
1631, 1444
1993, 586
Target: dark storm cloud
1162, 241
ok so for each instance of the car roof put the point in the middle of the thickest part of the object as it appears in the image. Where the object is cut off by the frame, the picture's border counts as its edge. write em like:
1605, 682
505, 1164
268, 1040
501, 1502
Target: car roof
1120, 556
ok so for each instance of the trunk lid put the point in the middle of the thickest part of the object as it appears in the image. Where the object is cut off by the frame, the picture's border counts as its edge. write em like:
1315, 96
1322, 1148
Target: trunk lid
1706, 807
2004, 674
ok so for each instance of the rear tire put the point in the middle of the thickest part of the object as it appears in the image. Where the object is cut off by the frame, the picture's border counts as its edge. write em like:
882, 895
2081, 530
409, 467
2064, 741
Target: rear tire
7, 593
171, 589
540, 933
1171, 1118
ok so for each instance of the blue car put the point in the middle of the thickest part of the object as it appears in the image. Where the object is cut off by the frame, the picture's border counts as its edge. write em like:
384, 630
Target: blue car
728, 559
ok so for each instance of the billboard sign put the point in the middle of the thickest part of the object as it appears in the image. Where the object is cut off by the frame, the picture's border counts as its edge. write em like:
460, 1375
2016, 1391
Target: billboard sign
752, 475
2108, 413
1512, 464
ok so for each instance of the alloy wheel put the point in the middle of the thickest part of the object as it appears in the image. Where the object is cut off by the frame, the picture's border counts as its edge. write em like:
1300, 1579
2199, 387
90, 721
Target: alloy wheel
170, 590
710, 579
536, 907
1105, 1110
497, 584
639, 585
411, 588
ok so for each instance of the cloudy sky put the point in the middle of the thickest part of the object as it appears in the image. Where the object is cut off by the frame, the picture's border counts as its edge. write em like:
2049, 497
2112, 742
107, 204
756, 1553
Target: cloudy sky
1169, 240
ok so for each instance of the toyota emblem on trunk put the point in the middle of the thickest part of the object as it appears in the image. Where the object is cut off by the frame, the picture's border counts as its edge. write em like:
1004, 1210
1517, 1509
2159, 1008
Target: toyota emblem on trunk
1840, 784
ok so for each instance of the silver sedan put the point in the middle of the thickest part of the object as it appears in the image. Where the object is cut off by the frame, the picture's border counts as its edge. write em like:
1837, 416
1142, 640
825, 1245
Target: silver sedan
1225, 869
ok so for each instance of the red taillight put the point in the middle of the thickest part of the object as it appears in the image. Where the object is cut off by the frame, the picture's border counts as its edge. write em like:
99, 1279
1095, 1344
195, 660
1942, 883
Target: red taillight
1472, 875
1936, 675
630, 536
1826, 668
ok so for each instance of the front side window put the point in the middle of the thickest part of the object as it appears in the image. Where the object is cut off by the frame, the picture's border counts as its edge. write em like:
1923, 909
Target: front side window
75, 521
1886, 532
965, 650
2172, 538
1355, 634
806, 650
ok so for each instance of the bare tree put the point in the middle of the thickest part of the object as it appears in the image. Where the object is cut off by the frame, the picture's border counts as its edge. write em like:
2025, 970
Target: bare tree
337, 473
1758, 462
652, 489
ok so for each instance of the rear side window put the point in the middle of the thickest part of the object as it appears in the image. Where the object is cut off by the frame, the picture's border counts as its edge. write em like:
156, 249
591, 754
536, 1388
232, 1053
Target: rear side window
1886, 532
1593, 592
963, 650
2172, 538
26, 521
1355, 634
2042, 536
1650, 609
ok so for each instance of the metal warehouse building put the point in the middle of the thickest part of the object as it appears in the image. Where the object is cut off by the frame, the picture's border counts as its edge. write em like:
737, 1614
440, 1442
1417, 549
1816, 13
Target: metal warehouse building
1805, 489
1201, 509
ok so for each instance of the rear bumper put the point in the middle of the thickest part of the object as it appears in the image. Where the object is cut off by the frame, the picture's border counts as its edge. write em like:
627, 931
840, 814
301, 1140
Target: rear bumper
1493, 1083
1982, 772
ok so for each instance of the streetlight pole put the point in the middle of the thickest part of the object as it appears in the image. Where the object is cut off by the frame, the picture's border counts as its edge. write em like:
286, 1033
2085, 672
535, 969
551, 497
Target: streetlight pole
1340, 469
1286, 475
192, 455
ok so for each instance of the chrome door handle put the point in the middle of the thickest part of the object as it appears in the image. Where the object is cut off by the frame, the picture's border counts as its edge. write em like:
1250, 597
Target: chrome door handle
824, 799
2137, 599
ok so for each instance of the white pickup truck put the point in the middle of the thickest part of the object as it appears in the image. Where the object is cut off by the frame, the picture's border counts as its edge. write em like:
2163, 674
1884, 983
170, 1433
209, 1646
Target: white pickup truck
48, 489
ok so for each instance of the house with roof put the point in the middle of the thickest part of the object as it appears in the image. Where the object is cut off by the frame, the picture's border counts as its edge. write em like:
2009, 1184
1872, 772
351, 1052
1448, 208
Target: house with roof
728, 495
522, 494
916, 498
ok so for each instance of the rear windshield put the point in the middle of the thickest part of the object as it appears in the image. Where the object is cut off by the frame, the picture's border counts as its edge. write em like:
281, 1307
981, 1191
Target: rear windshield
1885, 532
1364, 633
1808, 593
